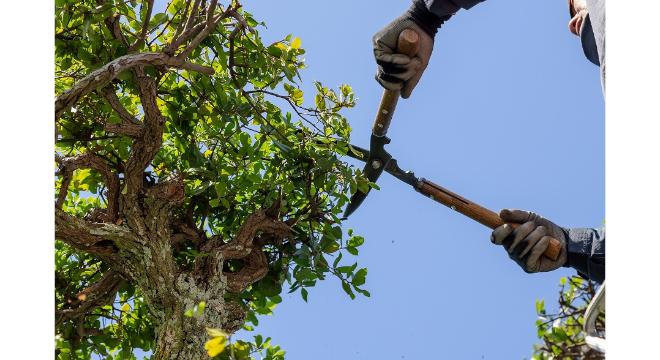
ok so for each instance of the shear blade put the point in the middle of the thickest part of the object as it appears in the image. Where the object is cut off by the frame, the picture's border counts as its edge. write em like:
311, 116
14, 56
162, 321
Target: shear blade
376, 163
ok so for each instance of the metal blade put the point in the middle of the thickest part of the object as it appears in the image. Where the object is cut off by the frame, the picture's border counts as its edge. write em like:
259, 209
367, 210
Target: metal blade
392, 166
407, 177
375, 165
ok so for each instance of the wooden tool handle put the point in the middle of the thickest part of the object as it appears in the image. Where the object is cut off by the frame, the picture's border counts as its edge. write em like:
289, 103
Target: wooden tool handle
407, 44
475, 212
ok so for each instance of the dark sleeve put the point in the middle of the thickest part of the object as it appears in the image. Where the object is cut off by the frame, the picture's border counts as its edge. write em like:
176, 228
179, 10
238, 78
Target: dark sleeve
586, 252
449, 7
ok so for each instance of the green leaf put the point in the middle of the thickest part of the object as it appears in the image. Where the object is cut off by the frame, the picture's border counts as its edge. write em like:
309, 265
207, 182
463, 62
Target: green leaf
281, 146
363, 186
158, 19
337, 259
345, 269
303, 293
360, 277
200, 308
560, 334
540, 307
347, 289
268, 286
355, 241
275, 51
331, 247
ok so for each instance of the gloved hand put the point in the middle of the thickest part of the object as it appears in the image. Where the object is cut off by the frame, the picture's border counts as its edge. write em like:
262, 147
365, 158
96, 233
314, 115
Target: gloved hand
527, 243
399, 71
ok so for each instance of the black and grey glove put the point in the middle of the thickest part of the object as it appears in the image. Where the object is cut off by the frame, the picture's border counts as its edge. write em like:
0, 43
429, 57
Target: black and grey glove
527, 243
399, 71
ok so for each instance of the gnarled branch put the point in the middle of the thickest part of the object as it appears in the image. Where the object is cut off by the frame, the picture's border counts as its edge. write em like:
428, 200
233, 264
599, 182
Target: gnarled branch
130, 126
98, 294
90, 161
112, 23
170, 191
241, 246
94, 238
103, 75
206, 31
145, 148
254, 269
145, 27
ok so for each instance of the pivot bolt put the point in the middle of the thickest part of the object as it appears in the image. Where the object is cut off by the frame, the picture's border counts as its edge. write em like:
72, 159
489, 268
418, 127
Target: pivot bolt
376, 164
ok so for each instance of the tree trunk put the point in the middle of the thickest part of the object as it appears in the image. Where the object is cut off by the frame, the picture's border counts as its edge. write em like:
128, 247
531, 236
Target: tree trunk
182, 337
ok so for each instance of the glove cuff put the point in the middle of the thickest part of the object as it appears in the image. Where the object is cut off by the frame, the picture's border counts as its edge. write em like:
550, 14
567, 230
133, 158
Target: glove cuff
428, 21
586, 252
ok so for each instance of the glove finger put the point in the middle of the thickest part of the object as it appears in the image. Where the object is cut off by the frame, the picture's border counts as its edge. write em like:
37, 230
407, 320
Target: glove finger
389, 82
390, 68
394, 79
517, 236
500, 233
528, 242
391, 57
535, 259
405, 75
517, 216
409, 85
414, 78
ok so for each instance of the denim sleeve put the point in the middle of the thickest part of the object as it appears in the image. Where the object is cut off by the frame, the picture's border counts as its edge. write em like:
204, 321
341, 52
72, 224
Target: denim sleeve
586, 252
448, 7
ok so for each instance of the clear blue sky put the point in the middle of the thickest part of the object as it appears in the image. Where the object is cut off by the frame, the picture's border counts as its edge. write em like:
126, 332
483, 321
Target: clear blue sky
508, 114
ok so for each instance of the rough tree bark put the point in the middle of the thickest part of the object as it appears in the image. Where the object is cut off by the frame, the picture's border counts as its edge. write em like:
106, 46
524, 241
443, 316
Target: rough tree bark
136, 233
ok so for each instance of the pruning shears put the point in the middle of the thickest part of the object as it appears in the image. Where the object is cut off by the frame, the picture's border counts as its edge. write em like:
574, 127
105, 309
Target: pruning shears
379, 160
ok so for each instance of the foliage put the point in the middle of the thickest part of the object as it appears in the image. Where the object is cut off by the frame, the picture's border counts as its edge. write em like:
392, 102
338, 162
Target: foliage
562, 333
218, 348
235, 131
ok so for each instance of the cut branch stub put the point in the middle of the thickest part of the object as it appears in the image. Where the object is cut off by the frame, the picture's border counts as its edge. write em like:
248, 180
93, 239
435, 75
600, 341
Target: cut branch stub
171, 192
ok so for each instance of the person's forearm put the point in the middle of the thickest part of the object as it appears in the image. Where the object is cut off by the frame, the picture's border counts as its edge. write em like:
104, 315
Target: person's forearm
586, 252
449, 7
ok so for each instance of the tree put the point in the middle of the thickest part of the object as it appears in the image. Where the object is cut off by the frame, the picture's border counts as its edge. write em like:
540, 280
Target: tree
186, 191
561, 333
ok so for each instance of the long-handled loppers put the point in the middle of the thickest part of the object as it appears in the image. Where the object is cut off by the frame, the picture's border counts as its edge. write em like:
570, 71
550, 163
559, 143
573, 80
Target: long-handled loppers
447, 198
379, 160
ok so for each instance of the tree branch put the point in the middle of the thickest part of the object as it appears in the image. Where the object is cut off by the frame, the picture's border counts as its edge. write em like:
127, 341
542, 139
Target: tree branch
111, 96
192, 16
130, 126
90, 161
145, 148
170, 192
108, 72
254, 269
257, 222
210, 26
145, 27
210, 10
98, 294
94, 238
112, 23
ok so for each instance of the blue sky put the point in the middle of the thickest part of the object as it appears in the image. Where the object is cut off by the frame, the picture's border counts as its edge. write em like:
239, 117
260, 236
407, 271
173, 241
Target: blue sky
508, 114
